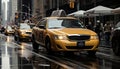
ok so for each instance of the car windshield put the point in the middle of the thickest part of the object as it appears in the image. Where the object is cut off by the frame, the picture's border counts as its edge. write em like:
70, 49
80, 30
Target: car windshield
66, 23
24, 26
9, 28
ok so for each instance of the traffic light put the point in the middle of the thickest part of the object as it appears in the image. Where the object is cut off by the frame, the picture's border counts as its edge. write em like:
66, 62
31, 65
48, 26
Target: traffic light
71, 4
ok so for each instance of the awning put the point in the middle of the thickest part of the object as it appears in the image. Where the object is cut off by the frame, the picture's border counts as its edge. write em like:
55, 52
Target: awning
116, 10
99, 10
79, 13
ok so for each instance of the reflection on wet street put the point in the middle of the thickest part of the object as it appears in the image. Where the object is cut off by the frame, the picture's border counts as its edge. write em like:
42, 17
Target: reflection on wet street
21, 56
15, 56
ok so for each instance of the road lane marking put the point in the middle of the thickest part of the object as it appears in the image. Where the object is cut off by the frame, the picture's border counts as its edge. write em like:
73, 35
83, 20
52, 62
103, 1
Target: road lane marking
46, 58
5, 61
5, 58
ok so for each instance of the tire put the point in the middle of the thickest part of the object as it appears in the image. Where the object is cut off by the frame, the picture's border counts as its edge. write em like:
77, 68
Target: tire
35, 45
91, 53
15, 38
116, 47
6, 34
48, 46
18, 39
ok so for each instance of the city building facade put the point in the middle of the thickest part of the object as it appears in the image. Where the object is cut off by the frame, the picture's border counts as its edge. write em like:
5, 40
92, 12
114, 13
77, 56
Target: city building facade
12, 10
3, 6
0, 12
24, 10
46, 6
0, 7
43, 8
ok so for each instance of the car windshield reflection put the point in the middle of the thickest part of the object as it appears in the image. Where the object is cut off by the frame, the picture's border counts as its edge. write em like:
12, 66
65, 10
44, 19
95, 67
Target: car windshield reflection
64, 23
9, 28
24, 26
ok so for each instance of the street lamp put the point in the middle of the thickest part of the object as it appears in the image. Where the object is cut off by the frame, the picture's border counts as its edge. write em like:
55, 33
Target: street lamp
28, 9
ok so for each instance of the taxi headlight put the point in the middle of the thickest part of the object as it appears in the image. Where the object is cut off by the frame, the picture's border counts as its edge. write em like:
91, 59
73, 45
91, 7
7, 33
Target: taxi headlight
23, 32
60, 37
7, 30
94, 37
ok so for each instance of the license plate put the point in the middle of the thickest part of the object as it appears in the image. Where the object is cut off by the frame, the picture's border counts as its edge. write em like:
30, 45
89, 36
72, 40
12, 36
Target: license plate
81, 44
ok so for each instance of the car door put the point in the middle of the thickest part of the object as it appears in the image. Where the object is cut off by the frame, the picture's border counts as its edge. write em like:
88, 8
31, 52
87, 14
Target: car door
42, 31
36, 31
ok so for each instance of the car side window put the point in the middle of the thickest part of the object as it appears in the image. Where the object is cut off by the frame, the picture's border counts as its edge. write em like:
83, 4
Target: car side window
42, 23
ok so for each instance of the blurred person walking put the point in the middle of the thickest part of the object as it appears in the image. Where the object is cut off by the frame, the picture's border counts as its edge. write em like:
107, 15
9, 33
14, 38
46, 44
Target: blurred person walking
89, 26
107, 32
98, 29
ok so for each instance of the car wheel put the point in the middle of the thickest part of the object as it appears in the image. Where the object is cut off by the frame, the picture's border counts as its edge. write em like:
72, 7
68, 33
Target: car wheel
35, 45
48, 46
116, 47
15, 38
18, 39
6, 34
91, 53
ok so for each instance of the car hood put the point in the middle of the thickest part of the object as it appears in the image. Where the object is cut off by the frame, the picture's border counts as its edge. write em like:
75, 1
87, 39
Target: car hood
9, 29
28, 30
68, 31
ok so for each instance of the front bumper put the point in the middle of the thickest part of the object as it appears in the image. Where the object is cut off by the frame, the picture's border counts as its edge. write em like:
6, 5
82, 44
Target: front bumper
10, 32
63, 45
25, 36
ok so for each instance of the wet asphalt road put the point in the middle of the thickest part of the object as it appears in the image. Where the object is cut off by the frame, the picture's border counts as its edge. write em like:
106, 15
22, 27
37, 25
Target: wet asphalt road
21, 56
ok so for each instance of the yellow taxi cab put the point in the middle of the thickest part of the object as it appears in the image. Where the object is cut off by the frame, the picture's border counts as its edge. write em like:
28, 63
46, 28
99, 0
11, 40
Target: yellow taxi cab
64, 34
22, 32
8, 30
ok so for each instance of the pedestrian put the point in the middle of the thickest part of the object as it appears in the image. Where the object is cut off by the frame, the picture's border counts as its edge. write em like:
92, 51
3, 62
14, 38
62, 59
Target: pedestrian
98, 29
107, 32
89, 26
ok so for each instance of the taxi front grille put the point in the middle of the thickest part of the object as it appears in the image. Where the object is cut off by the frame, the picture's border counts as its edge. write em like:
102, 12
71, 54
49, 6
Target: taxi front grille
28, 33
79, 37
76, 47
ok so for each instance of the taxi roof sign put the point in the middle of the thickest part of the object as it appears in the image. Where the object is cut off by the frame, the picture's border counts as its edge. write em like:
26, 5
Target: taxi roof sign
59, 13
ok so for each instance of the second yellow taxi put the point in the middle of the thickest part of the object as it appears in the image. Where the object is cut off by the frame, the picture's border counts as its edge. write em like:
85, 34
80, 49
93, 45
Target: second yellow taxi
22, 32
